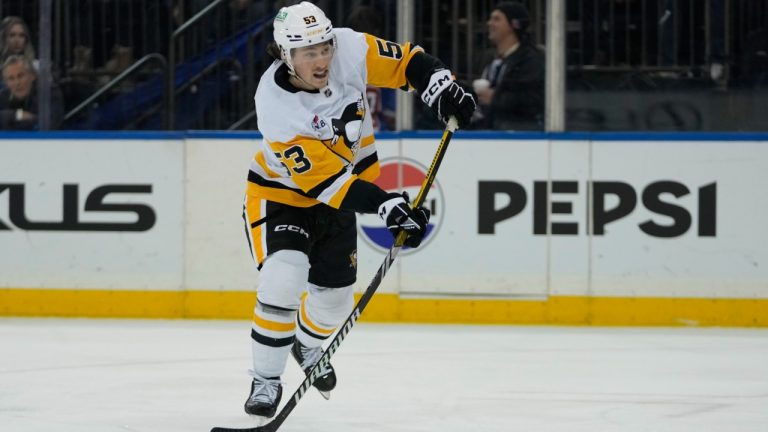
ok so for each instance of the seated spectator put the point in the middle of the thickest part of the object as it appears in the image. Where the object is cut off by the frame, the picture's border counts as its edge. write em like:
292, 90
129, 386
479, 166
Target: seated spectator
511, 89
19, 101
15, 40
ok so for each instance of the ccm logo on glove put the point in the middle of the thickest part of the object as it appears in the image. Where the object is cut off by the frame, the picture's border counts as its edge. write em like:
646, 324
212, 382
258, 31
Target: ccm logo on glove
438, 82
448, 97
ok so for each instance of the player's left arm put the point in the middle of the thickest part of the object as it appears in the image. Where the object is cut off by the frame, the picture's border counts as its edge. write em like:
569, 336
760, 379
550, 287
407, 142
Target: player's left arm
407, 67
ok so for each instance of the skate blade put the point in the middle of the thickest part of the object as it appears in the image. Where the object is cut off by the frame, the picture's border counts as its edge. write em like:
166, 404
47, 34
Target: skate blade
325, 394
259, 420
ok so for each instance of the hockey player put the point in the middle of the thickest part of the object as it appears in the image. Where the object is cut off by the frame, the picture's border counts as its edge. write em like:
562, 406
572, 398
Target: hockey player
313, 173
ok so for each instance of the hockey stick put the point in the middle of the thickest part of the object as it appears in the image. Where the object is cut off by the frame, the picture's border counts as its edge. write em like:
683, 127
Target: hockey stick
313, 374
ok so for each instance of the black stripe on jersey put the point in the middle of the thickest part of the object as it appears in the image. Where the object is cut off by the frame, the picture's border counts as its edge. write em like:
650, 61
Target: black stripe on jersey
270, 341
259, 222
266, 218
317, 190
310, 332
247, 234
261, 181
365, 163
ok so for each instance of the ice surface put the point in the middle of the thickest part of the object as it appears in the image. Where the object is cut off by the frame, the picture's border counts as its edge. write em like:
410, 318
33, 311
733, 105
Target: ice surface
78, 375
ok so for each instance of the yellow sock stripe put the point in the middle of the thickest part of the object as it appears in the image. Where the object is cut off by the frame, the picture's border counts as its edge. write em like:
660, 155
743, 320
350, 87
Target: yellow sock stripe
305, 319
273, 325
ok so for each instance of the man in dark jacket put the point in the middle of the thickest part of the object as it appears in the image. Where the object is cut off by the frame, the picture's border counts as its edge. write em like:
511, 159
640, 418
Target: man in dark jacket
18, 102
511, 90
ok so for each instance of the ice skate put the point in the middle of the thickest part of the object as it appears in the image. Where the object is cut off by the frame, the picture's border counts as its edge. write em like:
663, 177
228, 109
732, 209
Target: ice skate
265, 396
307, 357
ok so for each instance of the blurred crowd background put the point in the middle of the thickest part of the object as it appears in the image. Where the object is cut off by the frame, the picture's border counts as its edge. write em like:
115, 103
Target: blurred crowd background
639, 65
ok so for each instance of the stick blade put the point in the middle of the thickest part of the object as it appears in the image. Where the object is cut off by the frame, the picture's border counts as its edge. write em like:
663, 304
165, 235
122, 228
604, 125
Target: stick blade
264, 428
254, 429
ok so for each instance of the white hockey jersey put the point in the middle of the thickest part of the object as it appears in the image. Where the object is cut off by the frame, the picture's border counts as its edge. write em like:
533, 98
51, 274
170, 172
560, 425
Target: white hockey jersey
317, 143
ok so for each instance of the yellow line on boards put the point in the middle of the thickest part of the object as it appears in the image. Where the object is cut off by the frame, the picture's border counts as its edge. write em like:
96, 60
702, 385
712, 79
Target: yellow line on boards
386, 307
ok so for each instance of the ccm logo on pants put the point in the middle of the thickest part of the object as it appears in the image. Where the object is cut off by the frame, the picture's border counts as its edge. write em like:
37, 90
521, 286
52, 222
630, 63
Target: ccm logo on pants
291, 228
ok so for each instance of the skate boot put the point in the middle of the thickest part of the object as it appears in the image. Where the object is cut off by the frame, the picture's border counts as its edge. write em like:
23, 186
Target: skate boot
265, 396
307, 357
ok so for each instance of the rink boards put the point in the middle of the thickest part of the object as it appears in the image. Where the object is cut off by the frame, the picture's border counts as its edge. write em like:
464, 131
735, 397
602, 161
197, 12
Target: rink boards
605, 229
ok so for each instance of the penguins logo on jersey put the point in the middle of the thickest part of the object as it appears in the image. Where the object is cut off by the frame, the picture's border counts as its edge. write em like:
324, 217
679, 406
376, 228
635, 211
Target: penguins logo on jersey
349, 127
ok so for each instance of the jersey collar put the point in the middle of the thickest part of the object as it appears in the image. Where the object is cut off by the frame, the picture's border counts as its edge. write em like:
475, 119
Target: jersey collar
281, 78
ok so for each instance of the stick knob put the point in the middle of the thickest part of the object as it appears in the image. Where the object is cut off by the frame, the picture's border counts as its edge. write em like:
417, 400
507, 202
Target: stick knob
453, 124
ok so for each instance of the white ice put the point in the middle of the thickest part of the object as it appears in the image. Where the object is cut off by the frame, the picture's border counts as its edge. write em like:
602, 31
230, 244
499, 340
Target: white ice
67, 375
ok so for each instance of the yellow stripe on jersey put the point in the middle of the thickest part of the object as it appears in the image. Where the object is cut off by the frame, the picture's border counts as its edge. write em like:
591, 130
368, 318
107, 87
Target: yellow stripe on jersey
386, 62
309, 161
371, 173
261, 161
314, 169
338, 197
253, 214
367, 140
341, 148
283, 196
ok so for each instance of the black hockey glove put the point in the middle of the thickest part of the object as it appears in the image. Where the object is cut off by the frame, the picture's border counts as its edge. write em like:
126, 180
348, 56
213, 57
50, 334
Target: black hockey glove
448, 97
398, 215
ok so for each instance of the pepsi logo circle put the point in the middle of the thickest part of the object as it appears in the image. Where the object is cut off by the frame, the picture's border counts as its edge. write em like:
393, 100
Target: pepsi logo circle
401, 174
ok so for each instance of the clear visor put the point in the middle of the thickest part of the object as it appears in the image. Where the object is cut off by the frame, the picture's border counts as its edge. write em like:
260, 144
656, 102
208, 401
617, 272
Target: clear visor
311, 54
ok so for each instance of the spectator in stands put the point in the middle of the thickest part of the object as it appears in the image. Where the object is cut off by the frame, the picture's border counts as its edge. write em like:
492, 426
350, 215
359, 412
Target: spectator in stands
511, 88
15, 40
19, 101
